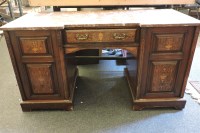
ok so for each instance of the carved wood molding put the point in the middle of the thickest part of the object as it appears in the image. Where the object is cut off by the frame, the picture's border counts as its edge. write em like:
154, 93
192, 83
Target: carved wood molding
72, 50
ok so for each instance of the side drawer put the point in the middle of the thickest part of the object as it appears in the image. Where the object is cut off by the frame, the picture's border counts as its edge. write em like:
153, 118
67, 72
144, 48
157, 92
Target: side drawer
170, 41
37, 45
105, 35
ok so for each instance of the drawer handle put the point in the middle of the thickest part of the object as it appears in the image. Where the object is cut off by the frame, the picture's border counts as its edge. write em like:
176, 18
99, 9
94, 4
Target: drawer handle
119, 36
81, 37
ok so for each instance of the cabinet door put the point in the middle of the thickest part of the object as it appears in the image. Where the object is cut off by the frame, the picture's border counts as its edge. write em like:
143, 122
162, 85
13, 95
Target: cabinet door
42, 79
163, 78
39, 64
166, 57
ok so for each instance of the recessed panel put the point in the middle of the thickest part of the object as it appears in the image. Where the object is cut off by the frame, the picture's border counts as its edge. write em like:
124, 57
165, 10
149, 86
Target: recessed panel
41, 78
34, 45
163, 76
168, 42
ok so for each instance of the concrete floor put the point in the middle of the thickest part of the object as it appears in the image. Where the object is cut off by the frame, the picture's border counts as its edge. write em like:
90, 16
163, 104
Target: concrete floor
195, 69
102, 105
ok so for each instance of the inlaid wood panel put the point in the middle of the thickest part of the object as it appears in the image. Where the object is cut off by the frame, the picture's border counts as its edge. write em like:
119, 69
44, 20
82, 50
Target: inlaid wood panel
168, 42
37, 45
41, 78
163, 76
107, 35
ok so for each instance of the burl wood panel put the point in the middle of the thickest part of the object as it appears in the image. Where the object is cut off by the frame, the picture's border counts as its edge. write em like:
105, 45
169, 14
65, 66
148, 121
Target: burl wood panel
37, 45
40, 76
168, 42
163, 76
105, 2
107, 35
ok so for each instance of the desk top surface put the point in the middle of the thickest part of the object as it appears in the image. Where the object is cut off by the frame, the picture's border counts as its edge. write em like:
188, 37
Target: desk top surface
78, 3
61, 20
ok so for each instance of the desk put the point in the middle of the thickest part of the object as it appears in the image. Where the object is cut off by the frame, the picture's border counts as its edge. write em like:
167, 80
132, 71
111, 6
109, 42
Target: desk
162, 42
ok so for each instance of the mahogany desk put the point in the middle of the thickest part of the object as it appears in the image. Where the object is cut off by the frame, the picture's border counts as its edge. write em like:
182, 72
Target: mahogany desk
41, 48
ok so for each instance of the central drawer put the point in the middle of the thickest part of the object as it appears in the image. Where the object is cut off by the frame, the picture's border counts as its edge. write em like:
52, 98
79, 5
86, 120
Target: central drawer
101, 35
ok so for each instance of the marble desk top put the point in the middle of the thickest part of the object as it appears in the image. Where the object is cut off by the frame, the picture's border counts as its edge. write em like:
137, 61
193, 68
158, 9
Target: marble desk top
61, 20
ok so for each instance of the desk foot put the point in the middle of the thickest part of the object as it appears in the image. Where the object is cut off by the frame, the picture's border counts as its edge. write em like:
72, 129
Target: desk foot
28, 106
178, 104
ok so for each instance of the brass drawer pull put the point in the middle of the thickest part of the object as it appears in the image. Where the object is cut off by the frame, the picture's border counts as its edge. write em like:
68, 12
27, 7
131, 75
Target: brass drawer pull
119, 36
81, 37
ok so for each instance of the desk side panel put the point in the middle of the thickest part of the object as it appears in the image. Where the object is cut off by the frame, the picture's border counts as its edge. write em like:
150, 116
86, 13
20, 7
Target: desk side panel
14, 63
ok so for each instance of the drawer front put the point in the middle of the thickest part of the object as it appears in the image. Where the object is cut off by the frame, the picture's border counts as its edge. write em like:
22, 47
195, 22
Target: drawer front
107, 35
168, 42
35, 45
32, 45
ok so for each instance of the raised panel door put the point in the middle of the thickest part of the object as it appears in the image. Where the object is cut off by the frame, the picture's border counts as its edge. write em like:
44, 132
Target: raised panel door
163, 76
162, 79
42, 80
